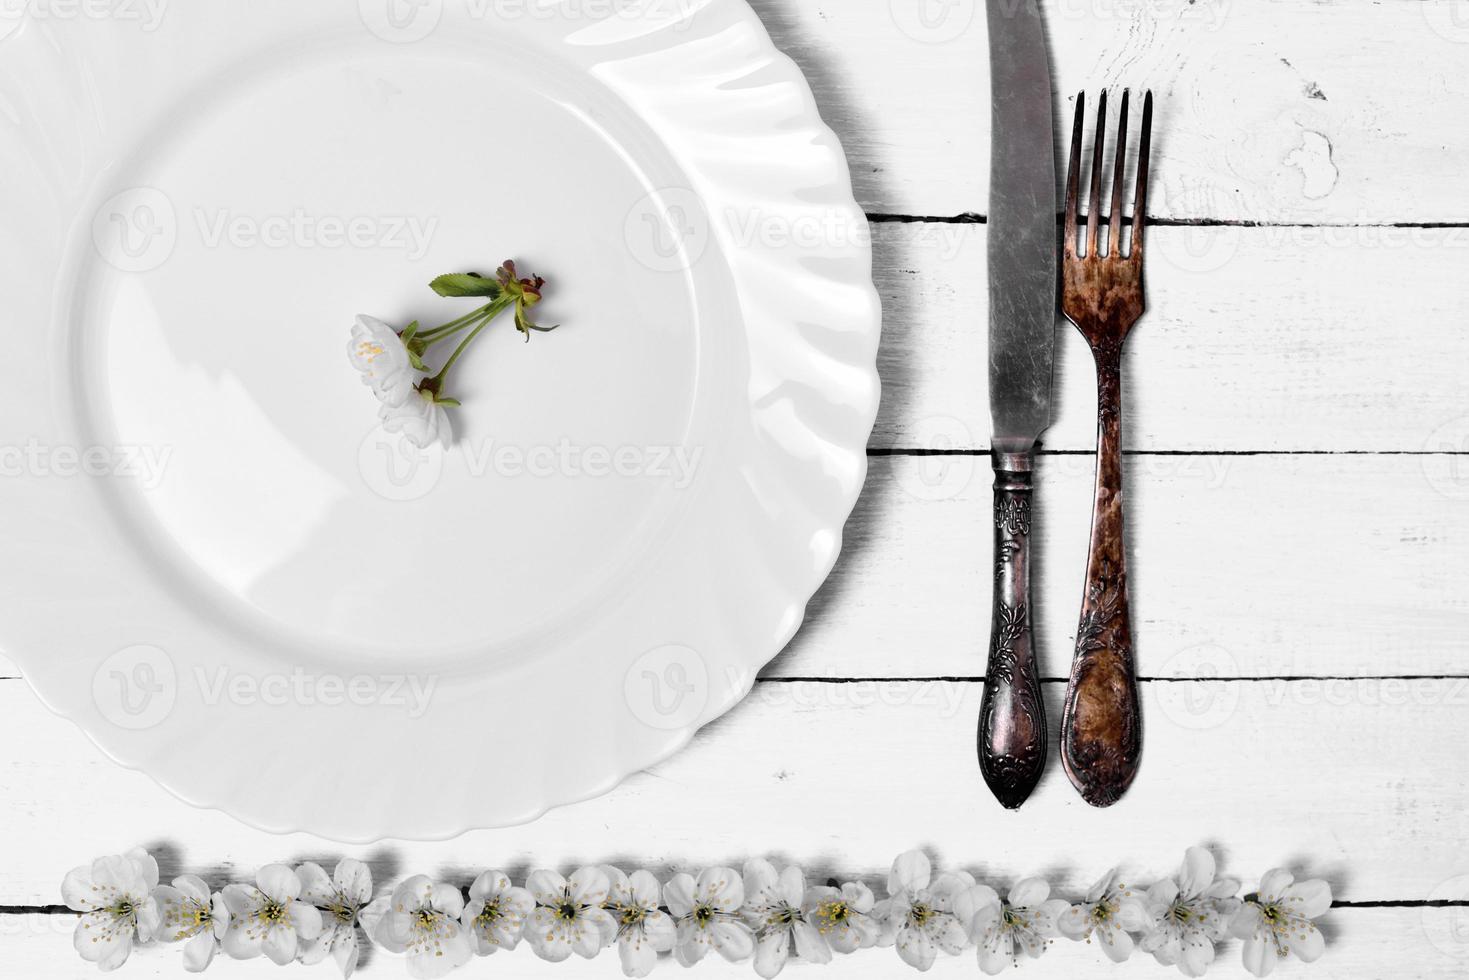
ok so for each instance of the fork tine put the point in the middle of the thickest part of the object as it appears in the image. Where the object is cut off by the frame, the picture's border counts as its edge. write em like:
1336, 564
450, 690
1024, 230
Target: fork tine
1073, 175
1114, 216
1140, 206
1094, 209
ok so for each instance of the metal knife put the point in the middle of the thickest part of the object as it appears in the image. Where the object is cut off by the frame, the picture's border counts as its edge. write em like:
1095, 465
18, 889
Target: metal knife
1024, 288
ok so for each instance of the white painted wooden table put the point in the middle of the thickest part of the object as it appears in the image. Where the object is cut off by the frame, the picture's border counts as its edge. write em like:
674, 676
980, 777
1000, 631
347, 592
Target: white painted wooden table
1299, 509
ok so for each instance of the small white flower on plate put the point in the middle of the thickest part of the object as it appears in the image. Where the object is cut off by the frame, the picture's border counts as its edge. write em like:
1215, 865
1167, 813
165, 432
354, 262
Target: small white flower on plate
643, 929
844, 916
1189, 914
1110, 914
115, 896
496, 913
918, 916
340, 899
1006, 931
421, 919
1276, 923
706, 916
775, 909
267, 917
568, 917
378, 353
421, 419
191, 915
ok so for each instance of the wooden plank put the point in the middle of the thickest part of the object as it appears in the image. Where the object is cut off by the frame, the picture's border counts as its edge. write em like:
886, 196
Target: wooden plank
1241, 566
1295, 111
1279, 339
1365, 790
1363, 944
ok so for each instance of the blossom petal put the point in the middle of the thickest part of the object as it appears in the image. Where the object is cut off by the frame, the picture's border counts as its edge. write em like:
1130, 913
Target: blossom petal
306, 920
916, 949
448, 899
279, 883
911, 873
1102, 887
760, 876
1197, 872
811, 946
145, 866
1309, 947
771, 953
316, 886
279, 944
1259, 956
488, 884
548, 887
995, 957
792, 886
1029, 892
1115, 943
1274, 884
732, 939
589, 886
637, 955
643, 889
97, 939
199, 952
1309, 898
678, 895
721, 888
353, 878
968, 903
1196, 956
949, 934
1075, 922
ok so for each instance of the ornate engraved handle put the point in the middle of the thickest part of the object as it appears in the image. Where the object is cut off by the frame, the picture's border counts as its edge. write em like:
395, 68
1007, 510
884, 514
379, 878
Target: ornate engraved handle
1012, 719
1101, 730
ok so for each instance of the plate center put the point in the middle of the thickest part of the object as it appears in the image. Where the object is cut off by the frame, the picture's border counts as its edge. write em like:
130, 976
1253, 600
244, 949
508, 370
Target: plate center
228, 269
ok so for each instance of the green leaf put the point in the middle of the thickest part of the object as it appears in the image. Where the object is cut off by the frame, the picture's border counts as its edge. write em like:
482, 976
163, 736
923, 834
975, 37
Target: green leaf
451, 402
465, 284
409, 333
416, 361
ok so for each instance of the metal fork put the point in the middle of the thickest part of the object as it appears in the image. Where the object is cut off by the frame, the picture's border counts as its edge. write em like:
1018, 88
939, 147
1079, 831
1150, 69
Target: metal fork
1102, 294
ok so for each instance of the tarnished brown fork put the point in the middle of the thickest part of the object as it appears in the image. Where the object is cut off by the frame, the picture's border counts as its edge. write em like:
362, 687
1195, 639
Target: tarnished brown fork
1102, 294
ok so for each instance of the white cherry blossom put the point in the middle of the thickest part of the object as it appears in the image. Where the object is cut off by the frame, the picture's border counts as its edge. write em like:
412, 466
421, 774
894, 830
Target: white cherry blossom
115, 896
918, 915
192, 915
706, 916
1276, 923
495, 915
421, 920
569, 917
1004, 932
1189, 914
341, 900
643, 929
267, 917
1110, 914
775, 910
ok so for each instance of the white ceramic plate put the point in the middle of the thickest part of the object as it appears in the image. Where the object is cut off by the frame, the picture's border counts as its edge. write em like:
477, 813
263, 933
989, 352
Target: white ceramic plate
219, 567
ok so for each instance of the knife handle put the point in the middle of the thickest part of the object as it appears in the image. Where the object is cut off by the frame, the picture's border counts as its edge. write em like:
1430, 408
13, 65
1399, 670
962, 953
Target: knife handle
1012, 719
1101, 729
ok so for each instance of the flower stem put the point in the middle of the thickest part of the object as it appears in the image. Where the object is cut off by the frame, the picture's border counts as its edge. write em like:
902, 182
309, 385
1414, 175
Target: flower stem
453, 326
487, 314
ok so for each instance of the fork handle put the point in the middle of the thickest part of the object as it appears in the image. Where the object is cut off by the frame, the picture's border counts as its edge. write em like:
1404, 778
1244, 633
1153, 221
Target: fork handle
1012, 720
1101, 728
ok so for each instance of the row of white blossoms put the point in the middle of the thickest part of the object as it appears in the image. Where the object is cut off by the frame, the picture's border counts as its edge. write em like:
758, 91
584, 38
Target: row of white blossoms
763, 914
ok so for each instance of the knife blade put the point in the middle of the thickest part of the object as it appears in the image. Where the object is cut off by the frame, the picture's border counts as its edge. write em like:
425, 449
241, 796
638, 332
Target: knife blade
1023, 287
